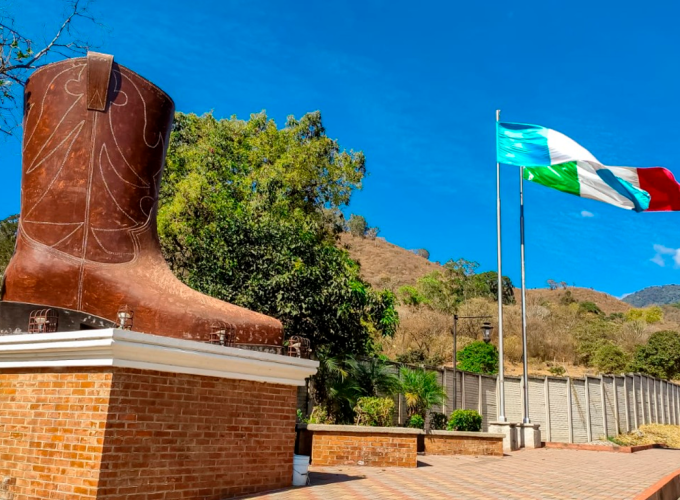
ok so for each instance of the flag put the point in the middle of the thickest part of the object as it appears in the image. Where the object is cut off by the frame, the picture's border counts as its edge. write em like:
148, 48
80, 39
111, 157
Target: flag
556, 161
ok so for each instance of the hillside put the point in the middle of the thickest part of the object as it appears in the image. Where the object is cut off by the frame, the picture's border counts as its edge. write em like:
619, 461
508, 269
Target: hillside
385, 265
563, 331
660, 295
607, 303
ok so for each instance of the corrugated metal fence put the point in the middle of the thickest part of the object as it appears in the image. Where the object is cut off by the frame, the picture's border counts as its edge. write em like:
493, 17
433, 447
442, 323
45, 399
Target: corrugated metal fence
570, 410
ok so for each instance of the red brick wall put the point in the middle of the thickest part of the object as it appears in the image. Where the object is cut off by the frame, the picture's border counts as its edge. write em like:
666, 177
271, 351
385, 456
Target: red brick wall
463, 445
52, 428
374, 449
156, 435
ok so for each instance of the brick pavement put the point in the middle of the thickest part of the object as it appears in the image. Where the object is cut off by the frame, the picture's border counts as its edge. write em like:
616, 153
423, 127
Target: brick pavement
531, 474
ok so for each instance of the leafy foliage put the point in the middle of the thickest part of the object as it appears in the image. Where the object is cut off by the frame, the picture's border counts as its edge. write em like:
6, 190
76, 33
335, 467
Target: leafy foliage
373, 411
340, 382
652, 314
557, 371
373, 377
421, 390
416, 422
438, 421
247, 215
479, 357
422, 252
465, 420
589, 307
610, 358
8, 231
357, 225
446, 290
660, 356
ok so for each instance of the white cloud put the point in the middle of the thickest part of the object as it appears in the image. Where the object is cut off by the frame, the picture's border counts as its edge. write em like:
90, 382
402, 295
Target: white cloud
585, 213
660, 256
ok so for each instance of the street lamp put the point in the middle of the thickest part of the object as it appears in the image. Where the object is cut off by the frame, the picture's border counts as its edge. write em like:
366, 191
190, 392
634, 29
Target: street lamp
486, 335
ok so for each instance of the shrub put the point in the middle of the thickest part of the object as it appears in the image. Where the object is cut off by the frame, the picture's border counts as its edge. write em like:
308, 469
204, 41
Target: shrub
652, 314
660, 356
416, 422
589, 307
437, 421
610, 358
357, 225
421, 252
557, 371
376, 412
479, 357
319, 415
465, 420
421, 390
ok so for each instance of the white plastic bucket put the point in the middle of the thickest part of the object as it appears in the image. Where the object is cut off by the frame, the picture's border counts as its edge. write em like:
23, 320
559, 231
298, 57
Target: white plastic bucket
300, 468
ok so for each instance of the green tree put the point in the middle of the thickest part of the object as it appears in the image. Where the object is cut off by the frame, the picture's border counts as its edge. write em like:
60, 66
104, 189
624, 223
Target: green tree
421, 390
357, 226
246, 215
652, 314
610, 358
660, 356
373, 377
478, 357
8, 235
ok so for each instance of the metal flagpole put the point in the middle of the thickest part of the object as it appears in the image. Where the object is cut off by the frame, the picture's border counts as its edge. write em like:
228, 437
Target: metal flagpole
525, 357
501, 380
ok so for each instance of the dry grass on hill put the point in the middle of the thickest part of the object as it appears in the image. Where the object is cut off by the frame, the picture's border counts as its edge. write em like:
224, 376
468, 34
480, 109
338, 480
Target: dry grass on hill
606, 302
551, 329
667, 435
385, 265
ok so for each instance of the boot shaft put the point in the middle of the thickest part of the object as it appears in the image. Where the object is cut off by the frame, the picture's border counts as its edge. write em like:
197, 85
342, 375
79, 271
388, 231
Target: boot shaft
95, 137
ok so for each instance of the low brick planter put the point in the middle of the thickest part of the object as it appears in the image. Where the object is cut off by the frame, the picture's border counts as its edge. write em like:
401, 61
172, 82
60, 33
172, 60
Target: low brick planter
463, 443
334, 445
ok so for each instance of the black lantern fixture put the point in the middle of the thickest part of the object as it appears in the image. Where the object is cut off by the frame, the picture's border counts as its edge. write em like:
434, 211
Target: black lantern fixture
486, 331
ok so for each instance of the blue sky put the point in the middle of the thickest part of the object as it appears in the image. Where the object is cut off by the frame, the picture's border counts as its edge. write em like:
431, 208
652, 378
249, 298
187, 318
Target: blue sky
415, 86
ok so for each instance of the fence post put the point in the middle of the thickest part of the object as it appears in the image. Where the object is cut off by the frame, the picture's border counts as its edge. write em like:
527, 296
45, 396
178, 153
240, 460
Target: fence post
635, 406
656, 402
650, 393
479, 404
617, 428
604, 407
444, 386
462, 390
569, 418
589, 430
546, 392
626, 401
663, 409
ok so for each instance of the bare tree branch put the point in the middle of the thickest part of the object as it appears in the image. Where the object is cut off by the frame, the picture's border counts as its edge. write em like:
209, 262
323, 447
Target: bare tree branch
18, 57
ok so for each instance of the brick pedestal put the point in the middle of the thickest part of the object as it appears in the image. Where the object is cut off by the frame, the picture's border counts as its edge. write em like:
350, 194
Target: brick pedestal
463, 443
99, 415
370, 446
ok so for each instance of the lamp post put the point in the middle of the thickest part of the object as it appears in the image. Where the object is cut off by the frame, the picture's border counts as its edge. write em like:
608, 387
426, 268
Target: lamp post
486, 336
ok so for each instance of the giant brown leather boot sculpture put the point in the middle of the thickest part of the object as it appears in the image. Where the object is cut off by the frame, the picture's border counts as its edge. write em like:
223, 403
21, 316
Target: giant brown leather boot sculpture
95, 137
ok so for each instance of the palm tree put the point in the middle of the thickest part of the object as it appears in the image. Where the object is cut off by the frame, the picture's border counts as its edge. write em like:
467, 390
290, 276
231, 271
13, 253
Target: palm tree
373, 378
421, 391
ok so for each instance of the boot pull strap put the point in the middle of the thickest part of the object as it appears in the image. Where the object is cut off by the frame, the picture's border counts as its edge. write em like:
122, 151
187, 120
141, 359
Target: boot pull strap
98, 78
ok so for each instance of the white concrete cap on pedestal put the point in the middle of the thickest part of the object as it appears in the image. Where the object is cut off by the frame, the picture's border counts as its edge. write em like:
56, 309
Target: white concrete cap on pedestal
531, 435
126, 349
509, 431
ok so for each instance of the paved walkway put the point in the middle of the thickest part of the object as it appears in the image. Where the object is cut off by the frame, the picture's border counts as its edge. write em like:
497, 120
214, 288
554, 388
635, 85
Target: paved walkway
531, 474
